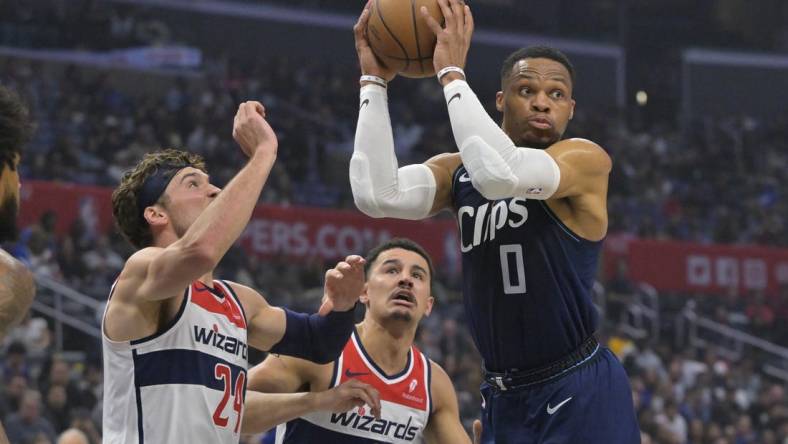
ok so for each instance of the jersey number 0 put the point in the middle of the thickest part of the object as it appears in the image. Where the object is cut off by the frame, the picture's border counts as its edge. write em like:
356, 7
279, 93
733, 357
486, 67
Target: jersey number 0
510, 285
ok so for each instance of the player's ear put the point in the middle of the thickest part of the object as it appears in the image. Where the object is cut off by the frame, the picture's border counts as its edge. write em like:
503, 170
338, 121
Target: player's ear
430, 303
572, 110
364, 297
499, 101
155, 216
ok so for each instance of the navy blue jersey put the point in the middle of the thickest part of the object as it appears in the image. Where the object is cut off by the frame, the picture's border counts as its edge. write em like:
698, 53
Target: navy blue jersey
527, 279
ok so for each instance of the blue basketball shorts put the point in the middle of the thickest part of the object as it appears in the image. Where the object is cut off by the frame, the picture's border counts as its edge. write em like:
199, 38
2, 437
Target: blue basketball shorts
588, 404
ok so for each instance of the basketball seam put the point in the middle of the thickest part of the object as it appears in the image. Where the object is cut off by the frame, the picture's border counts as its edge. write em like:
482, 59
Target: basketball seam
396, 40
403, 58
416, 33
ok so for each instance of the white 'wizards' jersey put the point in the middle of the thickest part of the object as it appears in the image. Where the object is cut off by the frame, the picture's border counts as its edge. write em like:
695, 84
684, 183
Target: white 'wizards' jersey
184, 384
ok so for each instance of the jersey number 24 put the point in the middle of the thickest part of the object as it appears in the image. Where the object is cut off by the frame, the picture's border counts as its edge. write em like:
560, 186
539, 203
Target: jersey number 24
223, 373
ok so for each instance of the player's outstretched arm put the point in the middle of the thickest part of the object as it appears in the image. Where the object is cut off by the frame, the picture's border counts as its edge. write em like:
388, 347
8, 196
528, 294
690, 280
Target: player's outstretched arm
380, 187
281, 374
444, 425
279, 377
17, 289
319, 337
160, 273
497, 168
266, 410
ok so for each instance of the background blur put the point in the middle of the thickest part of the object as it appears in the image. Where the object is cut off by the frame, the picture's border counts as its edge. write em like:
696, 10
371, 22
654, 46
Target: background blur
687, 97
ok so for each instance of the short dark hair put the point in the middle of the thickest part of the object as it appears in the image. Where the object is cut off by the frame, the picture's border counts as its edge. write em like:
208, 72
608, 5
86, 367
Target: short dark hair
536, 52
15, 127
128, 216
17, 348
398, 242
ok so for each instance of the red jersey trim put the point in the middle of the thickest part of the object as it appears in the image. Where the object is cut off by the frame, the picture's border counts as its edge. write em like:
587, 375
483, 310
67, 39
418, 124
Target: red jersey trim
205, 297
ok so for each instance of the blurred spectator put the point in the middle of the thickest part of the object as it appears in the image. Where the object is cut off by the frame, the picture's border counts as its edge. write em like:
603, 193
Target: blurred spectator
56, 409
26, 424
11, 393
620, 291
673, 423
72, 436
33, 334
83, 421
760, 313
58, 374
621, 344
15, 363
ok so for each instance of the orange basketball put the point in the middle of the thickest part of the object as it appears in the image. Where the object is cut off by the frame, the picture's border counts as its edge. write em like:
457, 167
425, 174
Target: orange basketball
399, 35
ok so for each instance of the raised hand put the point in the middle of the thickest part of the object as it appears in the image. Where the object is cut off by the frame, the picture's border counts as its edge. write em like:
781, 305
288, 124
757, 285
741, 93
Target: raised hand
252, 131
454, 39
369, 63
348, 395
344, 284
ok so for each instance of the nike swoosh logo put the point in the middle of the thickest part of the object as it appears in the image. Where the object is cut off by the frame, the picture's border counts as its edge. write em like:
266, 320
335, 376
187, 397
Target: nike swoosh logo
350, 374
365, 102
465, 178
456, 96
551, 410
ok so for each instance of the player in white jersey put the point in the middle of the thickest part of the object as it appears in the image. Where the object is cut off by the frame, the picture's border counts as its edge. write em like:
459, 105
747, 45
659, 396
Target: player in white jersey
417, 397
16, 282
175, 340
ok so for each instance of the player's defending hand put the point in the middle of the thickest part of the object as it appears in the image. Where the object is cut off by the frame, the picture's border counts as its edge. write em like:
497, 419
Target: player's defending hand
454, 39
344, 284
252, 131
370, 65
348, 395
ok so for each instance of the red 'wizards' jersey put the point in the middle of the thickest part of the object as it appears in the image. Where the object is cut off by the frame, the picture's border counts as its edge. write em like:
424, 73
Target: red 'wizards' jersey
405, 400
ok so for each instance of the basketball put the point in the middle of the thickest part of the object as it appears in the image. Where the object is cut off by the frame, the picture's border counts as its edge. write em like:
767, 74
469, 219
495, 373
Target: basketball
400, 37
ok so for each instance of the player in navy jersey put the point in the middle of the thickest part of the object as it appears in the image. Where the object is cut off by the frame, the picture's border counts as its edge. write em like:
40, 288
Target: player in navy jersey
532, 214
416, 395
175, 340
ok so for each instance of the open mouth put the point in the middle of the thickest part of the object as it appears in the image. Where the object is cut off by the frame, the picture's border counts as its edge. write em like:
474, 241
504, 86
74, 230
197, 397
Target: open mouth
404, 298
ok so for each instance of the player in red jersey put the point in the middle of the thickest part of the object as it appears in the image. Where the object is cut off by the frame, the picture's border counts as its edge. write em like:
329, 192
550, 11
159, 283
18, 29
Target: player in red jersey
416, 395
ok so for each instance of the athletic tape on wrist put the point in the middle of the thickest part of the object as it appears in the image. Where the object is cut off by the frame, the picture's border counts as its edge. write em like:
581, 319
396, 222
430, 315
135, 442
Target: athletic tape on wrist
374, 79
449, 69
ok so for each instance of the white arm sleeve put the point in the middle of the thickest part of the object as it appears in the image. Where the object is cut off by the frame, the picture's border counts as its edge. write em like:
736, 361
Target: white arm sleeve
497, 168
380, 188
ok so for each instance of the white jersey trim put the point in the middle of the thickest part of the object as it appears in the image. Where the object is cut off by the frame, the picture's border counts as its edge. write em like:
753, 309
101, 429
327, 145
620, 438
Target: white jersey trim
427, 381
337, 376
